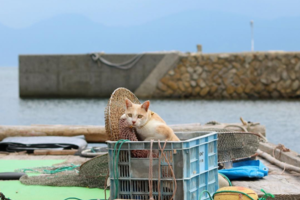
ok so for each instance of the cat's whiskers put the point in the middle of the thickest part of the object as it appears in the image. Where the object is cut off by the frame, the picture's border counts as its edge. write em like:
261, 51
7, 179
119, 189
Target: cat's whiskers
148, 124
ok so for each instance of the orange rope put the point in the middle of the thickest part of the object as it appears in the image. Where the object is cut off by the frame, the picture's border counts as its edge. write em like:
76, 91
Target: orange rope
171, 168
281, 148
159, 162
151, 172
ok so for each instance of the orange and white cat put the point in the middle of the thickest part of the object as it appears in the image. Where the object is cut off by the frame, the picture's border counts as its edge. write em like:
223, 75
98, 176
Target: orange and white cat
149, 125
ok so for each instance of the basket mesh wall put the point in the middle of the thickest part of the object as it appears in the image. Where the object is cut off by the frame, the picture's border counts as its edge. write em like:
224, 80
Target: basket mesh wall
115, 109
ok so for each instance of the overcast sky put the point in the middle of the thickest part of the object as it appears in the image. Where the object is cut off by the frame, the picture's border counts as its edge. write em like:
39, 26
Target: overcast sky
135, 26
24, 13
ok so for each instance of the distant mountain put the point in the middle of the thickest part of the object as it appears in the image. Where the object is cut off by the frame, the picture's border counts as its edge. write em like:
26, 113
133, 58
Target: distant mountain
217, 32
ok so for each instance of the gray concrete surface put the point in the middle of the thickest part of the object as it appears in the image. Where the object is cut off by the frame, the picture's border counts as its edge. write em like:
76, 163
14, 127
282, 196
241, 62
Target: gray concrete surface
80, 76
148, 87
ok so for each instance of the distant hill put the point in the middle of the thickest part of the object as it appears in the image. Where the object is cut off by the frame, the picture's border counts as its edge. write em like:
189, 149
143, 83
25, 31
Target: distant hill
217, 32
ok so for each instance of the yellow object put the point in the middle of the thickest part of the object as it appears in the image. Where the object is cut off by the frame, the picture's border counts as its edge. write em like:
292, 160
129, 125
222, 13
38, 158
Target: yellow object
232, 193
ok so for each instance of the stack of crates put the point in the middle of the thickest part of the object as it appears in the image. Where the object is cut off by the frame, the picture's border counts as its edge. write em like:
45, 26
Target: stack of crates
194, 161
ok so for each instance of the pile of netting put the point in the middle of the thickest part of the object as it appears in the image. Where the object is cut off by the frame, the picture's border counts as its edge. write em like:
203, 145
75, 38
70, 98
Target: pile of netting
233, 146
129, 133
92, 174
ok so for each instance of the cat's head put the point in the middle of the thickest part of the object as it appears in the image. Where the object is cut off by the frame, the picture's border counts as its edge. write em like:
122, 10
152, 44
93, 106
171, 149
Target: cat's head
137, 114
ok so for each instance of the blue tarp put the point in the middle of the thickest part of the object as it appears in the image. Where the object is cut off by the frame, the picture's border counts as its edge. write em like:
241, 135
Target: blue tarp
246, 169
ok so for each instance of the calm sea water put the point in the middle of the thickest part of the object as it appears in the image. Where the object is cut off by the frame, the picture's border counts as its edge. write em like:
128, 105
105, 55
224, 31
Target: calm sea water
281, 118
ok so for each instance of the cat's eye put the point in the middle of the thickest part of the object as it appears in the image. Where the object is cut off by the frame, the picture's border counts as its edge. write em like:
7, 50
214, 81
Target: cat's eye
140, 116
129, 115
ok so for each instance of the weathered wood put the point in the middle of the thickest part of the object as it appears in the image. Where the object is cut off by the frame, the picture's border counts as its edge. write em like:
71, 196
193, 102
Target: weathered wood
290, 157
91, 133
98, 133
280, 164
284, 186
231, 126
54, 152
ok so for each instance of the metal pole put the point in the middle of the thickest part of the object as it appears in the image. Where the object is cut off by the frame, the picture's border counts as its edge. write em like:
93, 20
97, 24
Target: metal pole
252, 36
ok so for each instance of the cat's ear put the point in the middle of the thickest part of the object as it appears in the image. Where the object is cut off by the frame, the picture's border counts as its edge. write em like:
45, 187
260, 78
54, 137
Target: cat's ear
128, 103
146, 105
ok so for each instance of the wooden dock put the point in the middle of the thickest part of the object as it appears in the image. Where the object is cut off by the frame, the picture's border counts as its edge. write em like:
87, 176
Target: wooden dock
284, 185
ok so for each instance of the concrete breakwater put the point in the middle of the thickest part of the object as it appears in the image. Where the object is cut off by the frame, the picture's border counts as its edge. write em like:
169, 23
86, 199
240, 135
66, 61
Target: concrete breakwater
258, 75
79, 75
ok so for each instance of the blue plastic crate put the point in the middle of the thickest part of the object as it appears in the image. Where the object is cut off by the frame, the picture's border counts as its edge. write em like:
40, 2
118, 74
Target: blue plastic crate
194, 160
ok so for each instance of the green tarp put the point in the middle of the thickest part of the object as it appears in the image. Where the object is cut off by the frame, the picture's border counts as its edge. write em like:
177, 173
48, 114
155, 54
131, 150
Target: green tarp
17, 191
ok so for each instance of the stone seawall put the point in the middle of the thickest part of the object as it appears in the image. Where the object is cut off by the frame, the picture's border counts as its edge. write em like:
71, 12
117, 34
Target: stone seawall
259, 75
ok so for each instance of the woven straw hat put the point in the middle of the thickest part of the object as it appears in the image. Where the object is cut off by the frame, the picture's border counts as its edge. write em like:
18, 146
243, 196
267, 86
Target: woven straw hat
115, 109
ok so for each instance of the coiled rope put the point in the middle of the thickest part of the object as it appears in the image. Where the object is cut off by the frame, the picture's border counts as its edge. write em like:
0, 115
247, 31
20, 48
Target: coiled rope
125, 65
61, 169
159, 171
54, 171
170, 166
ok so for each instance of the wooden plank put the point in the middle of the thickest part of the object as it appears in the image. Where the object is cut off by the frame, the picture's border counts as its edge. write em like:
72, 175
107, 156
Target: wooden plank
290, 157
283, 185
98, 133
92, 133
54, 152
273, 160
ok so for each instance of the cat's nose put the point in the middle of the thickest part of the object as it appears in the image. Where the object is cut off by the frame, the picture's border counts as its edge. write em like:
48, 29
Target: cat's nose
133, 122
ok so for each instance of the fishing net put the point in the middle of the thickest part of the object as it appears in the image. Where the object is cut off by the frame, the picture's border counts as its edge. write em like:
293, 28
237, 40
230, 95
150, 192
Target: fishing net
233, 146
51, 169
126, 131
129, 133
92, 174
94, 151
